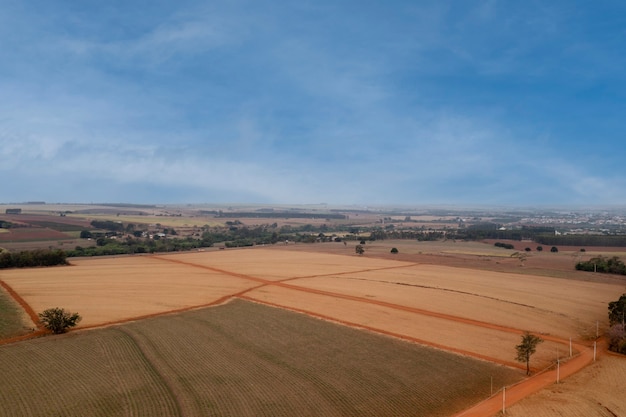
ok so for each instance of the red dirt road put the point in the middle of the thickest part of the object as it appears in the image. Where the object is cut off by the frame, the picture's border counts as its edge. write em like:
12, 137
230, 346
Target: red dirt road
517, 392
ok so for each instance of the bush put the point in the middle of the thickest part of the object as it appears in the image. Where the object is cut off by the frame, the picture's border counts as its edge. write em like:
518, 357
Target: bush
504, 245
554, 249
57, 320
539, 248
394, 250
617, 338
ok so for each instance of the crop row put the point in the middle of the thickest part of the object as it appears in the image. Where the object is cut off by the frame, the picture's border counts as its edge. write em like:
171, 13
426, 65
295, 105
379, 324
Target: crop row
238, 359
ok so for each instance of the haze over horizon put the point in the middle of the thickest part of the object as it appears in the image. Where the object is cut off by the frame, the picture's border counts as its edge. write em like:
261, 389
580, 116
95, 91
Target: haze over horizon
377, 103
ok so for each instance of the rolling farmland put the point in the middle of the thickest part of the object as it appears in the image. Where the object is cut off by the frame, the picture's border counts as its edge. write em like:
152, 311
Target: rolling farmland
238, 359
477, 313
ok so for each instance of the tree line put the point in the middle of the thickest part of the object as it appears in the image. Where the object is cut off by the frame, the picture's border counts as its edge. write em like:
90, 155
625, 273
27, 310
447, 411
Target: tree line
613, 265
28, 259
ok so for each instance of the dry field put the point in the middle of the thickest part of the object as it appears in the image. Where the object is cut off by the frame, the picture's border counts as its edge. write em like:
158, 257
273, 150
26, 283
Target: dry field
429, 303
597, 391
476, 312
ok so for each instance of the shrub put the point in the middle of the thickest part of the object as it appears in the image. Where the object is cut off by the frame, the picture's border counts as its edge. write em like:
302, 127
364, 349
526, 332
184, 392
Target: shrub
504, 245
394, 250
57, 320
617, 338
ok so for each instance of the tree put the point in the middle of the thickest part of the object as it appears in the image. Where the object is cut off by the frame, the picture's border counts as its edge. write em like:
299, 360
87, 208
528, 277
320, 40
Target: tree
58, 320
554, 249
617, 310
359, 249
527, 348
394, 250
617, 338
539, 248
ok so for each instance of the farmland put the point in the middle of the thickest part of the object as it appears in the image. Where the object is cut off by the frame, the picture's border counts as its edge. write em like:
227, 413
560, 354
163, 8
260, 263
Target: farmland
468, 298
12, 320
237, 359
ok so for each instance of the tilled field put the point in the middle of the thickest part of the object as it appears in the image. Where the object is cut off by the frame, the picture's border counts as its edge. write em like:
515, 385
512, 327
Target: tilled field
239, 359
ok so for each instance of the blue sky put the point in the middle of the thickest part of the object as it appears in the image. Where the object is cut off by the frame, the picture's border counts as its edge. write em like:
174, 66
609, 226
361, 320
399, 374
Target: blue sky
340, 102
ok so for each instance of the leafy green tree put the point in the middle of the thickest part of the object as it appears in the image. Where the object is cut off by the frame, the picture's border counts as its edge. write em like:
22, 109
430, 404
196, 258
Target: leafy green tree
394, 250
359, 249
57, 320
527, 348
554, 249
539, 248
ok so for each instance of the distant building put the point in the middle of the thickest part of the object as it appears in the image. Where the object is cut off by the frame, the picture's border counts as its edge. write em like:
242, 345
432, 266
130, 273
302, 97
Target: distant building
14, 211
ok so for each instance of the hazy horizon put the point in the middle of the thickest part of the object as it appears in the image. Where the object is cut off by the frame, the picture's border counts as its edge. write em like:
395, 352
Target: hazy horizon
427, 103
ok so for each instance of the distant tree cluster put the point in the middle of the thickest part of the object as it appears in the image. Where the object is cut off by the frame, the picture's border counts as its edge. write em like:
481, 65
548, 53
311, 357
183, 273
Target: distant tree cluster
27, 259
504, 245
105, 246
581, 240
613, 265
108, 225
280, 215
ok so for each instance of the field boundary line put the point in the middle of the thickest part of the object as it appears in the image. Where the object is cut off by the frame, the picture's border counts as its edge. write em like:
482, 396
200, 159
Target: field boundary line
400, 336
27, 308
415, 310
222, 300
32, 315
352, 272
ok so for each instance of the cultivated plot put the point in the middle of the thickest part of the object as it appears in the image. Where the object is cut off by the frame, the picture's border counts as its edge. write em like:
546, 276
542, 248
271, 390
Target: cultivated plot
239, 359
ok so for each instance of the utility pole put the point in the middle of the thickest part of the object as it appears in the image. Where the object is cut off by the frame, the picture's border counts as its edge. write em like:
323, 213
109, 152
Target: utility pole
503, 400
